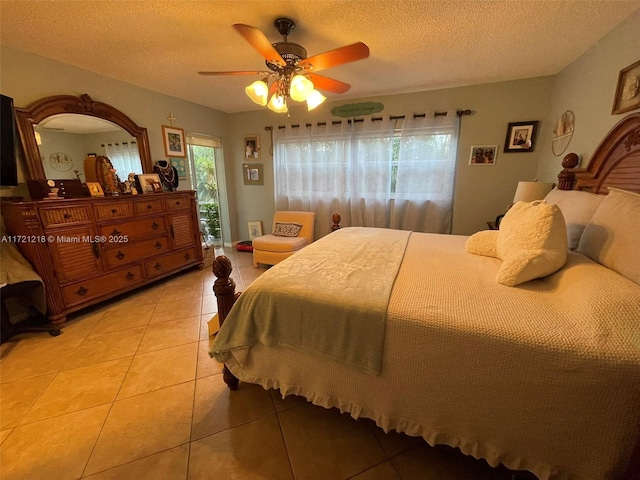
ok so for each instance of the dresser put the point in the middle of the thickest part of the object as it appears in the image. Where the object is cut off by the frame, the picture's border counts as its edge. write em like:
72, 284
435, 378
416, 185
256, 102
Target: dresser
88, 250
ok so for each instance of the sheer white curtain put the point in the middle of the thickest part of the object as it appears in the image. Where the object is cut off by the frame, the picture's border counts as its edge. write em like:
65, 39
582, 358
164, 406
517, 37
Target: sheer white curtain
367, 171
124, 157
426, 173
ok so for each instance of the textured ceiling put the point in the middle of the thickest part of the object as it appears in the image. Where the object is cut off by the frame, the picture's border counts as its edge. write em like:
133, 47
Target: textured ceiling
415, 45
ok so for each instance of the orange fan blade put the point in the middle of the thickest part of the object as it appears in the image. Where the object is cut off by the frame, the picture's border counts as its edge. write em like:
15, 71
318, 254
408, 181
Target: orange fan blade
235, 73
328, 84
261, 43
333, 58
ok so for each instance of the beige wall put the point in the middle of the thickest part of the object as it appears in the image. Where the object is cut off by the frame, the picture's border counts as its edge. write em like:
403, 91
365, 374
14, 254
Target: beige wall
481, 193
587, 88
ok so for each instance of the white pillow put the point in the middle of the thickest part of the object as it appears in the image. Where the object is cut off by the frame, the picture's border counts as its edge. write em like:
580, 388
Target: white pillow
612, 237
531, 242
577, 208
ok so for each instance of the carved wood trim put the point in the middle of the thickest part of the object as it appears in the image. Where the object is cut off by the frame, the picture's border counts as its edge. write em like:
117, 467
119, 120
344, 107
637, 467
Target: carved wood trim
26, 118
615, 162
225, 290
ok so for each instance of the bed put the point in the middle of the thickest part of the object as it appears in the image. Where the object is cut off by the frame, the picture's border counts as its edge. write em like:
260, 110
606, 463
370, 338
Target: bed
539, 374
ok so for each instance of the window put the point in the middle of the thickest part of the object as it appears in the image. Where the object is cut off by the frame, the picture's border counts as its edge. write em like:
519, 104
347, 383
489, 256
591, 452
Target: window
382, 173
124, 157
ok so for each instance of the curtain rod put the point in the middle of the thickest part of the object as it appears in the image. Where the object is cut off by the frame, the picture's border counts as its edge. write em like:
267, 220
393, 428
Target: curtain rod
460, 113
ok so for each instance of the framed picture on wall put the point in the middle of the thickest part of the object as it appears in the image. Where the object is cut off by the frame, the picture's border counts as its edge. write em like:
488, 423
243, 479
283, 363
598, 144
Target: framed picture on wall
483, 155
628, 89
173, 140
521, 137
252, 147
253, 174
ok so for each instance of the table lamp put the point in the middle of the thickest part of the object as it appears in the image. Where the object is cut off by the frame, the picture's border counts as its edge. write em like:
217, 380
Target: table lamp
530, 191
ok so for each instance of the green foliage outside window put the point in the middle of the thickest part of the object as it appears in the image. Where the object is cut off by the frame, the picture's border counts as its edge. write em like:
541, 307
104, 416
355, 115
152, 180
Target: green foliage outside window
207, 187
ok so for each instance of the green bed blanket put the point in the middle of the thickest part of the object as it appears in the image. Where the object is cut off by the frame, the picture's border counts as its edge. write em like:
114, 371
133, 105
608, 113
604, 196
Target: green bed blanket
332, 304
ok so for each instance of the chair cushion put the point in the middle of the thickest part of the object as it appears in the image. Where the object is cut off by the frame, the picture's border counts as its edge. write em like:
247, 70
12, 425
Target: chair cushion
287, 229
273, 243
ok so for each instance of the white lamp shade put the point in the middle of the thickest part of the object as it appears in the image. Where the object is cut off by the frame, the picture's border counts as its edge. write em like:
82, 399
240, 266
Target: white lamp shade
530, 191
258, 92
301, 88
315, 99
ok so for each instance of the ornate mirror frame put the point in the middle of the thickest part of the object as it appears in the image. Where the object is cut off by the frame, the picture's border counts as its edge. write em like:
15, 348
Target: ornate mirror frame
26, 118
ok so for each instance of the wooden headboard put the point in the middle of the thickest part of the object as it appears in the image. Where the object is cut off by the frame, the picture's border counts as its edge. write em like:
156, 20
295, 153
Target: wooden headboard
615, 162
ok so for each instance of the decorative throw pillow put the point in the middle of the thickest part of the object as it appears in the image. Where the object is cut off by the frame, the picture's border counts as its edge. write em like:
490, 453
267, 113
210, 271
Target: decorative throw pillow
612, 236
577, 209
531, 242
287, 229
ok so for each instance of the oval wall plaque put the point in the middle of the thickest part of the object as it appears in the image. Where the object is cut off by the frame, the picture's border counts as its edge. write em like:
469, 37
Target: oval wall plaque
357, 109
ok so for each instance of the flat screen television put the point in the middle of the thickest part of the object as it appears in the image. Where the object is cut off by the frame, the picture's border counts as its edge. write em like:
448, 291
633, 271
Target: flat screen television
8, 143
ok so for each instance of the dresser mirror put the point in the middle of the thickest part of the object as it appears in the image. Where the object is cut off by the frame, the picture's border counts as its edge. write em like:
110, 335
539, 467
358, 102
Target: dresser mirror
59, 132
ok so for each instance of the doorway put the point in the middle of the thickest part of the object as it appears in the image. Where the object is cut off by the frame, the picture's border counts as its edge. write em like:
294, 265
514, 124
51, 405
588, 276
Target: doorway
204, 180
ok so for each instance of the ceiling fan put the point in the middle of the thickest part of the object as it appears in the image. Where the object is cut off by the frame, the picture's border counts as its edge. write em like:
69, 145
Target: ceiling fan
291, 73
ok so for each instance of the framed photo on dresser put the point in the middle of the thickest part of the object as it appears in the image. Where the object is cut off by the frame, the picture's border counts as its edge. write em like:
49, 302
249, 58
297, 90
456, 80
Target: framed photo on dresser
146, 180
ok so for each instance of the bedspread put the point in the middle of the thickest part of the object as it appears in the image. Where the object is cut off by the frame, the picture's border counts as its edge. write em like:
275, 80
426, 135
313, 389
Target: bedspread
544, 376
334, 305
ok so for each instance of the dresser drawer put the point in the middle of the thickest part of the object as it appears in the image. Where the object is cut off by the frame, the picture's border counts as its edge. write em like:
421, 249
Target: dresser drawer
179, 201
169, 263
150, 226
110, 210
73, 214
80, 292
144, 207
131, 252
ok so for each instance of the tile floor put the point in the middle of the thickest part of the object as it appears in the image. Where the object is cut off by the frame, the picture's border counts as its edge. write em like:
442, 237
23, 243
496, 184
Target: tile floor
128, 391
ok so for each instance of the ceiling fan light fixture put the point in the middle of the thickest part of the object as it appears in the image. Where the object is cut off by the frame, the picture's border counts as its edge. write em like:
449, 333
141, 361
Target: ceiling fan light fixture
301, 88
258, 91
314, 99
278, 104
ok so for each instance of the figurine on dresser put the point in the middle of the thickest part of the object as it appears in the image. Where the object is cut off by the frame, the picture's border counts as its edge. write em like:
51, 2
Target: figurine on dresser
168, 174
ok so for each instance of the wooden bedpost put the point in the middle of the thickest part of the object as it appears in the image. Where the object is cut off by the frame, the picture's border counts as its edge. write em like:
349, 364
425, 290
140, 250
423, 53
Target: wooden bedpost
225, 290
567, 177
336, 222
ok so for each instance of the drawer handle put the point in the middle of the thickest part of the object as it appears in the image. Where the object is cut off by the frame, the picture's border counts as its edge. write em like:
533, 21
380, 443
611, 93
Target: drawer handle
67, 216
120, 255
157, 266
114, 210
149, 206
177, 202
173, 233
158, 245
154, 226
82, 291
96, 252
130, 276
115, 232
187, 256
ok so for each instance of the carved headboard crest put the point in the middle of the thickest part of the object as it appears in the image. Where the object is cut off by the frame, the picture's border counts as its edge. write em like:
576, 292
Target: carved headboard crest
615, 161
632, 139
